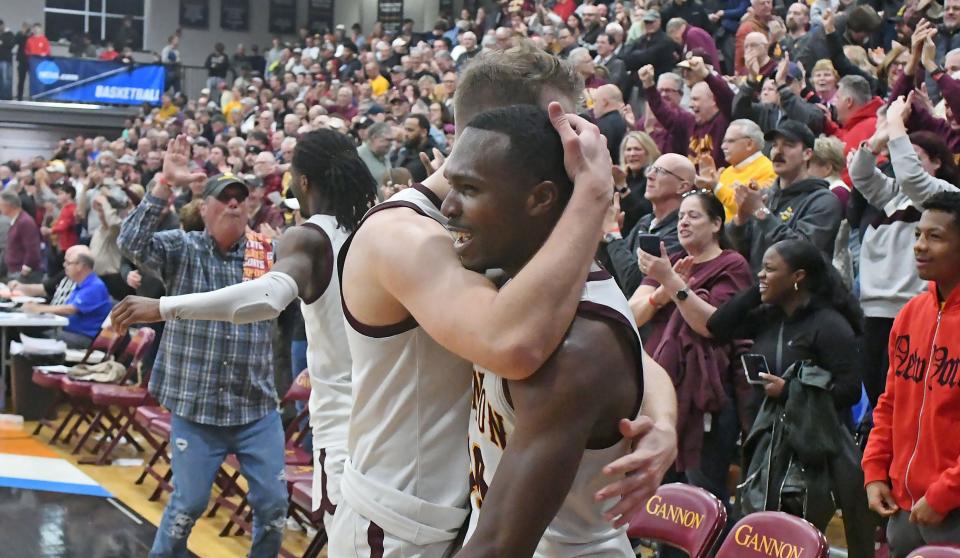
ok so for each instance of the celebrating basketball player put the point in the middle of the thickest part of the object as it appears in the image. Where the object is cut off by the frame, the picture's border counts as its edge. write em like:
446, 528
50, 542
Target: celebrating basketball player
539, 444
417, 318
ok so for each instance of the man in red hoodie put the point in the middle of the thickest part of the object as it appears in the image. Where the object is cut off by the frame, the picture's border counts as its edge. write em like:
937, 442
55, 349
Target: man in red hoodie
912, 461
856, 111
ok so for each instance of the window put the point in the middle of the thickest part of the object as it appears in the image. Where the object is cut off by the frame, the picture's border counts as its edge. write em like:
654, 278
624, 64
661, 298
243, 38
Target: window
101, 19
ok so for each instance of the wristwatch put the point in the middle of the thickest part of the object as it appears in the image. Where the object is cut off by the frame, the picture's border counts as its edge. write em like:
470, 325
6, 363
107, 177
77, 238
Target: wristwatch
762, 213
683, 293
611, 236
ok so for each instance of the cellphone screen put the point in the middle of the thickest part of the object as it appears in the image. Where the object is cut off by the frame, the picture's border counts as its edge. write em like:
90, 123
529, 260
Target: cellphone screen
753, 366
650, 243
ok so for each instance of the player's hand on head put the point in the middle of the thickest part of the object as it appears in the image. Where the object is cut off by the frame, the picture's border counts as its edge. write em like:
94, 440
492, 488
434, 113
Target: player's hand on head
585, 155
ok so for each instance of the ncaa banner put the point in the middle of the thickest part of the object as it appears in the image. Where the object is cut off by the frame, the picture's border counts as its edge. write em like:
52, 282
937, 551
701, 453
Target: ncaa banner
95, 81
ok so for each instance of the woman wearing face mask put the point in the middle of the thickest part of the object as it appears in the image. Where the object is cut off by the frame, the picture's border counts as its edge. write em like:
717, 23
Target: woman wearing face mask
683, 297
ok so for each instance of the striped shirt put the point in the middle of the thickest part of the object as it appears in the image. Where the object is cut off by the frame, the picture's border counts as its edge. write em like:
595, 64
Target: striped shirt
208, 372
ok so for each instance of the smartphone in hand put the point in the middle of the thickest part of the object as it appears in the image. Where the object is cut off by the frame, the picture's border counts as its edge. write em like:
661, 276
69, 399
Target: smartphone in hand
650, 243
754, 365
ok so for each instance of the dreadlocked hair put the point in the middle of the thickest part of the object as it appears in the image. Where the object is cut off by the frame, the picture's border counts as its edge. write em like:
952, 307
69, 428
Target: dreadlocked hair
330, 162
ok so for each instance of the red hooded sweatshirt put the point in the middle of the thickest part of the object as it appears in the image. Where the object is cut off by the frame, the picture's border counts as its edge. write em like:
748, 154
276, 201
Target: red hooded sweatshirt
914, 443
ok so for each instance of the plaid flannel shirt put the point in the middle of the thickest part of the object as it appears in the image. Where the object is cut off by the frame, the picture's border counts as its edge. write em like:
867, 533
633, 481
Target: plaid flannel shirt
209, 372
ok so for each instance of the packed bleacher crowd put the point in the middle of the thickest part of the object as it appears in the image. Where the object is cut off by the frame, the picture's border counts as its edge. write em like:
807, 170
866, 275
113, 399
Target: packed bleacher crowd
777, 156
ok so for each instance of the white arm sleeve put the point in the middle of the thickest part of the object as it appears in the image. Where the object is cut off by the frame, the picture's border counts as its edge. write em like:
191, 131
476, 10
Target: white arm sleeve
252, 301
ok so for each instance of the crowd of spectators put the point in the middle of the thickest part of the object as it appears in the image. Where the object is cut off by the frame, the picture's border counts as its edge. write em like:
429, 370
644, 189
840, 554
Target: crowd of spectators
755, 140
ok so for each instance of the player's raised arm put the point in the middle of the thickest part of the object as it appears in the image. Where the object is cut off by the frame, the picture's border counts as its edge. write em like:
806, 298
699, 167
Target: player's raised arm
515, 329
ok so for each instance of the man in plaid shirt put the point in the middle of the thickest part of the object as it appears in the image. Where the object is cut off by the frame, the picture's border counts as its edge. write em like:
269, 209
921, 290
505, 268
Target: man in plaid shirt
215, 377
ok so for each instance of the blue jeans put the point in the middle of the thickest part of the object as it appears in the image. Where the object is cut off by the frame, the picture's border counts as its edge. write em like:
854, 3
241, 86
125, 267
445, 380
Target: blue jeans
298, 360
6, 81
197, 452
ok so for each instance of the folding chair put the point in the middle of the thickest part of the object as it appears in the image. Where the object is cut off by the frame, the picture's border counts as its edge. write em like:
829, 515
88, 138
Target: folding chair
936, 551
301, 504
684, 516
768, 533
157, 421
126, 398
107, 341
296, 461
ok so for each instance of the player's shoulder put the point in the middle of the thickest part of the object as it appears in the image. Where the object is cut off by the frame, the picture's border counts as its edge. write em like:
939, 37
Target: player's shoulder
399, 228
592, 347
302, 238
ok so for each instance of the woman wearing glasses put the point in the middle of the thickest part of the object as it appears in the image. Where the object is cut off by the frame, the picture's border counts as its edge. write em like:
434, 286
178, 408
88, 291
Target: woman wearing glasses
682, 297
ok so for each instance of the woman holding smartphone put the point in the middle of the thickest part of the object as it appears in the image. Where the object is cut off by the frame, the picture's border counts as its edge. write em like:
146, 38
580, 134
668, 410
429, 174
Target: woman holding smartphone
799, 311
676, 301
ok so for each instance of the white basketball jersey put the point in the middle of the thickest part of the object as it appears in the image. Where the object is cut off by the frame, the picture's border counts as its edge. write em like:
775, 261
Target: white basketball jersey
578, 529
328, 357
407, 467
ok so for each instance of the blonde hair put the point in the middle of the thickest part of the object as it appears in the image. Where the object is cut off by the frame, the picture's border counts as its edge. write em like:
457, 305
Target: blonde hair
645, 141
828, 151
824, 64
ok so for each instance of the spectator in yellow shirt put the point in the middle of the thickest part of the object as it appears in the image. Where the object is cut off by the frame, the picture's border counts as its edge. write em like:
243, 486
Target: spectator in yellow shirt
741, 146
378, 84
168, 110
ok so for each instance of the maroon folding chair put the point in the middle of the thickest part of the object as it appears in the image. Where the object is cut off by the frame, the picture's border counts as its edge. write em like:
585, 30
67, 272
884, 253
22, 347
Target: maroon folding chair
684, 516
936, 551
157, 421
301, 508
298, 462
769, 533
126, 398
107, 341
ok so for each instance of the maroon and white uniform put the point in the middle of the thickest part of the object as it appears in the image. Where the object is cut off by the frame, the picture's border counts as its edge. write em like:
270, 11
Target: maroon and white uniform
578, 529
404, 488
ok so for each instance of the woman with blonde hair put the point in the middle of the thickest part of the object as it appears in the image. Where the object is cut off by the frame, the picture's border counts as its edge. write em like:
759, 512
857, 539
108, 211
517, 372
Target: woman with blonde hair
637, 152
827, 163
824, 79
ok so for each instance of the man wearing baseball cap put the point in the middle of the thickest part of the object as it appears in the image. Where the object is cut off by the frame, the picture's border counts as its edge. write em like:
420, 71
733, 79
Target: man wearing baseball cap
215, 377
797, 206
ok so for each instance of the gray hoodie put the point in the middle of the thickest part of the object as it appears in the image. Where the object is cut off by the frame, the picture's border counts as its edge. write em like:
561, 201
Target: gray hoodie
888, 275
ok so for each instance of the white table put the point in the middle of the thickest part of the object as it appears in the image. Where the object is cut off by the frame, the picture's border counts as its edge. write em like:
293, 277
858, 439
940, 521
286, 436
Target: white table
20, 319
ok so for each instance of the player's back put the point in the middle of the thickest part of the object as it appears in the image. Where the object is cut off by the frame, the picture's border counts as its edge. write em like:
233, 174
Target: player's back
407, 462
578, 529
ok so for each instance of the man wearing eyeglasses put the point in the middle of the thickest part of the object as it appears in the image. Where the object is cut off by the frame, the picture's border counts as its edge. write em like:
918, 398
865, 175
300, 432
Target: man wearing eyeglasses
87, 304
668, 179
215, 377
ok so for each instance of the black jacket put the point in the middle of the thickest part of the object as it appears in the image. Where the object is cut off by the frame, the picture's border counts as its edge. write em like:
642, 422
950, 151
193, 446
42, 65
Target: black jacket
805, 210
620, 256
747, 105
635, 206
798, 459
816, 333
7, 41
656, 49
613, 127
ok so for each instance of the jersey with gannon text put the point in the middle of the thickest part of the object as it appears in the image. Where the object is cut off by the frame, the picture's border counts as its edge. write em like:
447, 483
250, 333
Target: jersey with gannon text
328, 360
578, 529
407, 464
